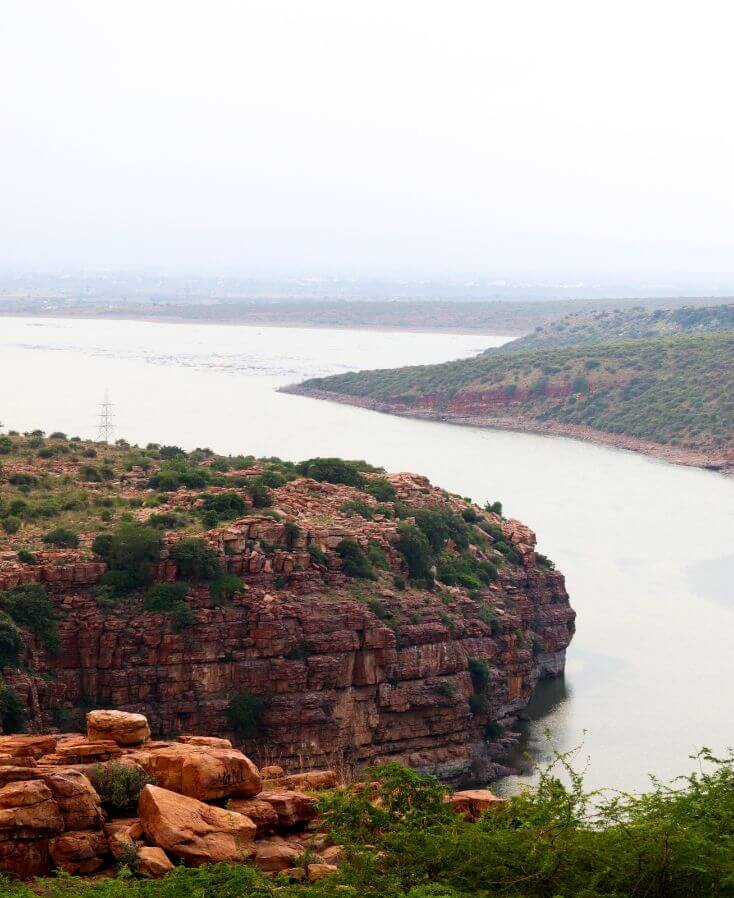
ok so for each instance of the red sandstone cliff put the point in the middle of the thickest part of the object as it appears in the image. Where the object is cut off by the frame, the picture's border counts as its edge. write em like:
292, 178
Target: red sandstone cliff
354, 672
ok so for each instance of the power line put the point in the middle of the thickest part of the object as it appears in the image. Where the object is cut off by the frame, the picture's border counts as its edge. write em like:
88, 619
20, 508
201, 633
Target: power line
105, 428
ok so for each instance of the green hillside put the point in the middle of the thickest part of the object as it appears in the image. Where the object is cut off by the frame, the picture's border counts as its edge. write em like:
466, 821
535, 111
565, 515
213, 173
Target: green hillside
623, 324
676, 391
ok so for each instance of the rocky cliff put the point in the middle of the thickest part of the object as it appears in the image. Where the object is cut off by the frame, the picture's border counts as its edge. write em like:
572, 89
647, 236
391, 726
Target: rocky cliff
338, 670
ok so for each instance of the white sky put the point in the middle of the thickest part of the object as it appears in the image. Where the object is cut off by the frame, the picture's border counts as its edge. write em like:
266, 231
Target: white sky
410, 137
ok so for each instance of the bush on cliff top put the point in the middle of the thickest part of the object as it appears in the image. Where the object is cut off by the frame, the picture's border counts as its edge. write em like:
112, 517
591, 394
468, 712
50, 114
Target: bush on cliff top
130, 551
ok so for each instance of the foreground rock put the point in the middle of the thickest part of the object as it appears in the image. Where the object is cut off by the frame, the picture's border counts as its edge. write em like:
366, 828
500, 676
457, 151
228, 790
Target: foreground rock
195, 832
472, 803
202, 771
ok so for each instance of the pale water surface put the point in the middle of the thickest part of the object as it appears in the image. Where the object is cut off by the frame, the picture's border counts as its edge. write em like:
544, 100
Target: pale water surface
646, 546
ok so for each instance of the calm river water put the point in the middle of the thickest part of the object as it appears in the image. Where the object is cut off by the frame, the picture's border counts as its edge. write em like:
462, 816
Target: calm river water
647, 547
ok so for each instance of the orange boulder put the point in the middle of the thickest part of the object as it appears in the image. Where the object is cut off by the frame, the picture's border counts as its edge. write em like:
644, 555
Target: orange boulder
197, 833
121, 727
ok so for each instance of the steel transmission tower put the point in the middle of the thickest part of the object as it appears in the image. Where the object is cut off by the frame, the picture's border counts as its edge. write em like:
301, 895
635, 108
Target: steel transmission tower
105, 427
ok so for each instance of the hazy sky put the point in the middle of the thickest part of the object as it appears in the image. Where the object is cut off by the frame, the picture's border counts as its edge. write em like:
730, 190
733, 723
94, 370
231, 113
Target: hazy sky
538, 140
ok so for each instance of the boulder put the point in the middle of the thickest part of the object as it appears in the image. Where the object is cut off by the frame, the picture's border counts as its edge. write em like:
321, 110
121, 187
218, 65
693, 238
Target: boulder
211, 741
80, 750
28, 811
79, 852
77, 799
275, 856
121, 727
472, 803
122, 834
262, 813
292, 808
319, 871
193, 831
22, 746
153, 862
312, 779
201, 771
25, 858
272, 772
12, 774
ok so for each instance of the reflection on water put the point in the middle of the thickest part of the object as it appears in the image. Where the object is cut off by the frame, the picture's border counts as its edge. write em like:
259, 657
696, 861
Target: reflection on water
646, 547
714, 579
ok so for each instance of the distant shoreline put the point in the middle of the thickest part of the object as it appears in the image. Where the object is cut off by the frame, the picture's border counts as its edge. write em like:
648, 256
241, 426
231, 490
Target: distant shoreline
673, 454
309, 325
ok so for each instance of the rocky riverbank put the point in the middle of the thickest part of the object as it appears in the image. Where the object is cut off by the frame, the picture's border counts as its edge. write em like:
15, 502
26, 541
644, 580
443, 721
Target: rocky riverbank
722, 461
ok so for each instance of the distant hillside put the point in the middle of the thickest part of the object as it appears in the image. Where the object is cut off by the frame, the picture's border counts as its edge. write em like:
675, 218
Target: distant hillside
666, 392
639, 323
498, 317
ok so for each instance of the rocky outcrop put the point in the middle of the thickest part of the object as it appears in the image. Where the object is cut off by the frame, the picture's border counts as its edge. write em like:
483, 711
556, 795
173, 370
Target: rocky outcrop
348, 672
53, 819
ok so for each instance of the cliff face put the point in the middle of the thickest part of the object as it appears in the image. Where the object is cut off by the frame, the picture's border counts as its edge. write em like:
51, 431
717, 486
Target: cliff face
352, 671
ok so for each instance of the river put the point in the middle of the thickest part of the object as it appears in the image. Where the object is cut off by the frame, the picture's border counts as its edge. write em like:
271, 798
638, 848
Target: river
646, 546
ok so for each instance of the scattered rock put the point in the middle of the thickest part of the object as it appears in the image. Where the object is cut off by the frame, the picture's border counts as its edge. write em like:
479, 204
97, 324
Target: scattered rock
262, 813
292, 808
77, 799
275, 856
319, 871
193, 831
202, 772
79, 852
153, 862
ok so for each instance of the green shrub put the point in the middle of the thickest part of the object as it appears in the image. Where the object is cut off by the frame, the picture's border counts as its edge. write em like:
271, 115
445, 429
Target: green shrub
292, 532
544, 561
224, 588
119, 786
62, 538
12, 710
465, 570
380, 489
167, 520
413, 545
195, 558
11, 524
354, 561
6, 445
508, 550
29, 606
260, 495
130, 552
376, 556
10, 641
318, 556
227, 505
164, 596
479, 671
244, 713
169, 598
332, 470
357, 507
26, 557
